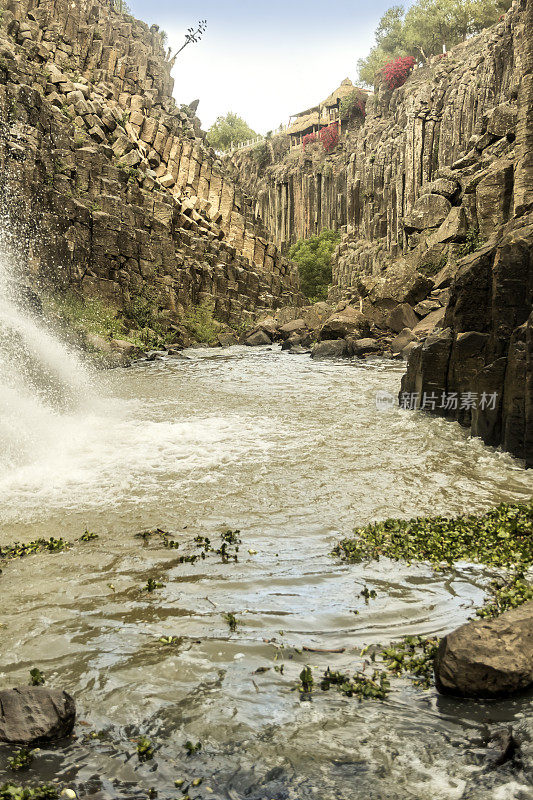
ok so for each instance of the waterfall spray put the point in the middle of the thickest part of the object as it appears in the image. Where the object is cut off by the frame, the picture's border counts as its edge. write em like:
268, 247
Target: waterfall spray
41, 378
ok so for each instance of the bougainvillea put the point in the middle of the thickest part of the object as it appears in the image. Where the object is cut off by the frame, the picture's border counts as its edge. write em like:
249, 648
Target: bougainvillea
309, 138
396, 72
330, 137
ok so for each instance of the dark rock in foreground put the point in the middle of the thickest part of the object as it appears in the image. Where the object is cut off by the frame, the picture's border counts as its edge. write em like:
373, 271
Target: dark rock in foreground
31, 714
488, 658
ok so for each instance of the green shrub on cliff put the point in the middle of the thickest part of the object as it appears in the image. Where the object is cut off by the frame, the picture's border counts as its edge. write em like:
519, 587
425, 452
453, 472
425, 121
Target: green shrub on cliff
424, 28
201, 324
313, 257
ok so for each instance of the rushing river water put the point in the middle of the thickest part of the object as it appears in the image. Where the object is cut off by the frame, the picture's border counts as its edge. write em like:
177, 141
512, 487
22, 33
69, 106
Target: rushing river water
293, 453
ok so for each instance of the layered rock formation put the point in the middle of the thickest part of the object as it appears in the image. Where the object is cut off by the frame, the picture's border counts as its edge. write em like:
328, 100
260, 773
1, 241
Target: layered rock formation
433, 195
118, 181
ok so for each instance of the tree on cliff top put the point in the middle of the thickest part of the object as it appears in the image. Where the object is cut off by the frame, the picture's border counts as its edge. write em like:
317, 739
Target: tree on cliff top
313, 257
228, 130
424, 28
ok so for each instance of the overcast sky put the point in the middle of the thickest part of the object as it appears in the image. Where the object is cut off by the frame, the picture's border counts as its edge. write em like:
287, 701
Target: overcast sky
266, 60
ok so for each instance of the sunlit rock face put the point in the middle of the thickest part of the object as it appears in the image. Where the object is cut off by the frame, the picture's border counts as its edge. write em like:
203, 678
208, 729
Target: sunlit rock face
434, 191
118, 180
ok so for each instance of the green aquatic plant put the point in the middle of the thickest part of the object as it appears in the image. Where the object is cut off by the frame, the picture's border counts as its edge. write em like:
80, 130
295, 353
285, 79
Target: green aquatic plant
192, 748
145, 749
169, 640
306, 681
44, 791
89, 537
506, 593
368, 594
22, 549
229, 539
36, 677
151, 585
232, 621
365, 687
20, 760
414, 655
502, 537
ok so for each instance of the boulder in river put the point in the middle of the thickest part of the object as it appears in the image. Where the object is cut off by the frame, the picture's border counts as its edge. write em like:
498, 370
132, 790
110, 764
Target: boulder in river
331, 348
489, 657
258, 338
31, 714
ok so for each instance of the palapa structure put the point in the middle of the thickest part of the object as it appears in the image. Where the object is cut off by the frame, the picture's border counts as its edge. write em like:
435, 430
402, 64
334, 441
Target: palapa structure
312, 120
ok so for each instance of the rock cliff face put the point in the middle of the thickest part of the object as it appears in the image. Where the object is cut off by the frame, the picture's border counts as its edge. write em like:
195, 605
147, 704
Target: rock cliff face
116, 179
433, 195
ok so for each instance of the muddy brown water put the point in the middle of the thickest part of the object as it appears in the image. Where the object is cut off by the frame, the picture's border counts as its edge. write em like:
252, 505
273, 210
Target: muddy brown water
294, 454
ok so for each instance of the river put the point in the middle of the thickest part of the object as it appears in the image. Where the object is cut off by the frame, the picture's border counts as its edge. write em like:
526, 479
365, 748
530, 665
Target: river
293, 453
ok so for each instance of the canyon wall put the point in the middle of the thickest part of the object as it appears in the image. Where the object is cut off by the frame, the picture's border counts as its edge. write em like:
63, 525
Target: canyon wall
118, 186
433, 196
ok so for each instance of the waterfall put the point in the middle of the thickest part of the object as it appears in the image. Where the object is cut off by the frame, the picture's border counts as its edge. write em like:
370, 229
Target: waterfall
41, 378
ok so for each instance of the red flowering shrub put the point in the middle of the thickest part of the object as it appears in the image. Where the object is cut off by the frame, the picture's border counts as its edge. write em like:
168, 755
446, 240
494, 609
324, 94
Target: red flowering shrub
396, 72
309, 138
330, 137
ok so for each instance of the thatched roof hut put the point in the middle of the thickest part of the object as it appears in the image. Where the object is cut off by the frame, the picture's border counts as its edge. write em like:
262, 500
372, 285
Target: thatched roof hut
304, 123
344, 90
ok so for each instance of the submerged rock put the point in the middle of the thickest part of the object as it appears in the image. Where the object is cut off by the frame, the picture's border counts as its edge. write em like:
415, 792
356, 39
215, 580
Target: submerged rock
30, 714
488, 658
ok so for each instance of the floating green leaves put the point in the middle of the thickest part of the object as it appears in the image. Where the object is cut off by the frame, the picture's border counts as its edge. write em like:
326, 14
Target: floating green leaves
22, 549
232, 621
500, 538
43, 791
145, 749
414, 655
21, 759
503, 537
306, 680
89, 537
192, 748
365, 687
36, 677
152, 585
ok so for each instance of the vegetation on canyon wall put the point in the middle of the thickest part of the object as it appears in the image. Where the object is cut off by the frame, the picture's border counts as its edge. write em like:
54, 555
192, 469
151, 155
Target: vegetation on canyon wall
313, 257
424, 29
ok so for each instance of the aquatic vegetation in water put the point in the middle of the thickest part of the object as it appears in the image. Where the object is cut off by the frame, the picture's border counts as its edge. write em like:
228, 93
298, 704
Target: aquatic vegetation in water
145, 749
192, 748
170, 640
365, 687
502, 537
232, 621
306, 680
22, 549
368, 594
44, 791
20, 760
36, 677
151, 585
89, 537
414, 655
506, 593
229, 539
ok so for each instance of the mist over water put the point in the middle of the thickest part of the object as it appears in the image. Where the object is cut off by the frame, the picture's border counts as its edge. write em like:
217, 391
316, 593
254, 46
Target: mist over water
293, 453
41, 379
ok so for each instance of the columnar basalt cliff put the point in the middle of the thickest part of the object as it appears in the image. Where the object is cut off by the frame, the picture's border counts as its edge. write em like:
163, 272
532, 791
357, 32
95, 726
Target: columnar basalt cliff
433, 196
118, 180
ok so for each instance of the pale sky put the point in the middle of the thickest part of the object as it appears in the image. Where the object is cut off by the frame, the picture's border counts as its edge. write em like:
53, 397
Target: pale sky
264, 61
